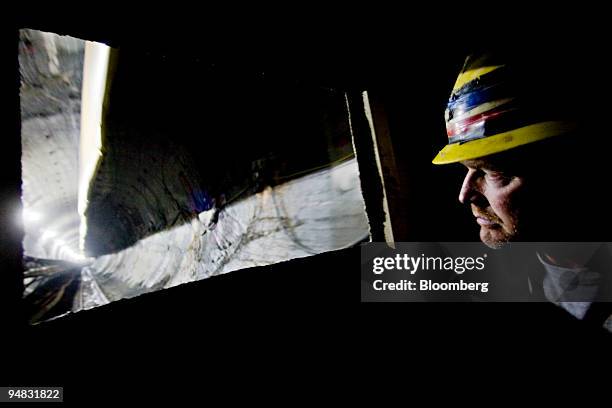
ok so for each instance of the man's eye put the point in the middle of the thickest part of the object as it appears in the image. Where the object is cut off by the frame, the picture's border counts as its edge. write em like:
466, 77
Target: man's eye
499, 177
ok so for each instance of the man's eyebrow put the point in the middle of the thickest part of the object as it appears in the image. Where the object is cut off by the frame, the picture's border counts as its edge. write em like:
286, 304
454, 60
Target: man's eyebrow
475, 164
482, 164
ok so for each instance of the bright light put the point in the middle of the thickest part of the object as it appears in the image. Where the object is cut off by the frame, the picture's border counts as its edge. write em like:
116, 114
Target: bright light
30, 216
72, 255
95, 70
48, 234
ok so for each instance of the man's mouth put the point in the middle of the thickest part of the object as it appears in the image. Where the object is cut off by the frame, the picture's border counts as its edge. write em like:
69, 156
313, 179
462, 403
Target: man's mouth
485, 222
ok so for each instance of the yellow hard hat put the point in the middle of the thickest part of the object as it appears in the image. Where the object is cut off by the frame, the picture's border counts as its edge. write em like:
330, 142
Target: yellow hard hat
486, 113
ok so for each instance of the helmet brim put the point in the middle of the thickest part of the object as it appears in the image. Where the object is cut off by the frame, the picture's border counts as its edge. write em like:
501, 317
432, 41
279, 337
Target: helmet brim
456, 152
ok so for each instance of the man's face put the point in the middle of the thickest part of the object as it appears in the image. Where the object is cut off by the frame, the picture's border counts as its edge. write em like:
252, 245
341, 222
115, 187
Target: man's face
496, 198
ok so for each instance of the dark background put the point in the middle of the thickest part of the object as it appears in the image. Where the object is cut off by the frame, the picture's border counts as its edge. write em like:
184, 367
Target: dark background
303, 315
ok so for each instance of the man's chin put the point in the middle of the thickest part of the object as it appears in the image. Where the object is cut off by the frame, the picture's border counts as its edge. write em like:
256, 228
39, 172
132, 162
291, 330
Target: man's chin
493, 238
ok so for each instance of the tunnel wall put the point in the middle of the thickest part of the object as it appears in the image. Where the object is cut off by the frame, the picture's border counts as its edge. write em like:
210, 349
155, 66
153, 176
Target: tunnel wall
204, 169
50, 98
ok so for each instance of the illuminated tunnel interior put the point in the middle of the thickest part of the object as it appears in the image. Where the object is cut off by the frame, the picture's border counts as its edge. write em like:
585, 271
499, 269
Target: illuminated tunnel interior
197, 168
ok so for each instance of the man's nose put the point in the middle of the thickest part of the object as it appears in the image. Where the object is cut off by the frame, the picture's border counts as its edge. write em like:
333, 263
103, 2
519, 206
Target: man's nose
468, 188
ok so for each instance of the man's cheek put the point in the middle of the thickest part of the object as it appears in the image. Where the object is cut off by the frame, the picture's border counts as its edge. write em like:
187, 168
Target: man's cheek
508, 204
